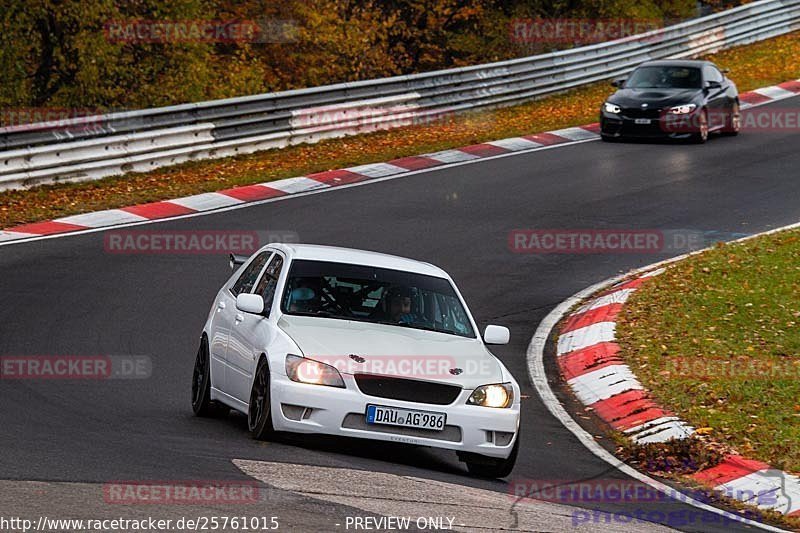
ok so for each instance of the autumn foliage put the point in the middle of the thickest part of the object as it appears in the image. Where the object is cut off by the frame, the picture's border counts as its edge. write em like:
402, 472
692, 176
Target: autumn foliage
62, 53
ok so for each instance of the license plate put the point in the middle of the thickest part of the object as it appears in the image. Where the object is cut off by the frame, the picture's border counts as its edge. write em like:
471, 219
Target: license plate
642, 121
396, 416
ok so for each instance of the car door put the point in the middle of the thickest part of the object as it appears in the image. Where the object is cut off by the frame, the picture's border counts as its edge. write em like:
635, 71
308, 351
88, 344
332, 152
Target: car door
225, 313
251, 333
716, 96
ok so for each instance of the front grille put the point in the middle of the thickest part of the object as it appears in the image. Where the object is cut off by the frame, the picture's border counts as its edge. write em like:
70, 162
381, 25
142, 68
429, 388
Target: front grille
409, 390
638, 112
357, 421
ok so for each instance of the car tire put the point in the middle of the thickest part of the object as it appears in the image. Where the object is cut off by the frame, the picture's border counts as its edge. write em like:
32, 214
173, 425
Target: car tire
491, 467
259, 414
201, 385
733, 122
608, 138
702, 134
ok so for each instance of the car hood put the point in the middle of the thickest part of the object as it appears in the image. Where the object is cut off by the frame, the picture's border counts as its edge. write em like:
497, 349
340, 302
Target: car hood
362, 347
654, 98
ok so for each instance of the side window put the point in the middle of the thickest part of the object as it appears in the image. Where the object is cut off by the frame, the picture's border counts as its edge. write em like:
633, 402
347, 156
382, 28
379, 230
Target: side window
250, 274
269, 281
712, 74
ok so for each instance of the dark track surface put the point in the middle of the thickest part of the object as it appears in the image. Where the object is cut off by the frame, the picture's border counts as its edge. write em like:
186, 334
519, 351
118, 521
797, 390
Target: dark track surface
67, 296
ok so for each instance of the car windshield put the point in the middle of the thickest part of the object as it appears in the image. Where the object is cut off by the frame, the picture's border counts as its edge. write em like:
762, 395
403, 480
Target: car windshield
664, 78
378, 295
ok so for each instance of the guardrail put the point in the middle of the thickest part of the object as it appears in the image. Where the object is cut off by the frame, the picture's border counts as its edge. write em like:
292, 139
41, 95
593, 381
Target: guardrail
96, 147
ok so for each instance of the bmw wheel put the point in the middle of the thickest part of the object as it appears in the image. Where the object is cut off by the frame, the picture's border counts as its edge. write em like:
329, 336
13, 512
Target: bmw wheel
733, 122
702, 128
201, 384
259, 415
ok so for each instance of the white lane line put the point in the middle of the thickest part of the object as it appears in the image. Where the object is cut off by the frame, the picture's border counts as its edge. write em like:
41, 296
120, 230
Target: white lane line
604, 383
207, 201
377, 170
472, 509
514, 144
99, 219
14, 235
586, 336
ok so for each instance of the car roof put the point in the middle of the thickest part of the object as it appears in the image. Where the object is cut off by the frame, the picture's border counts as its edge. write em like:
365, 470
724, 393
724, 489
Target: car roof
697, 63
353, 256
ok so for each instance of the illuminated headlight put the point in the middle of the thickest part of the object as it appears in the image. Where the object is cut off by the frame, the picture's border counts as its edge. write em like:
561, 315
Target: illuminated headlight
497, 395
611, 108
682, 109
304, 370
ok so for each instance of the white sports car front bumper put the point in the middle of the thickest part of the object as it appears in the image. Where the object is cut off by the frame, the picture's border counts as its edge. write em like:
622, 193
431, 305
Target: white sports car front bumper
303, 408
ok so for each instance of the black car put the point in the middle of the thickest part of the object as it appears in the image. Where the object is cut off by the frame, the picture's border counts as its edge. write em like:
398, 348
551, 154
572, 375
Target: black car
678, 99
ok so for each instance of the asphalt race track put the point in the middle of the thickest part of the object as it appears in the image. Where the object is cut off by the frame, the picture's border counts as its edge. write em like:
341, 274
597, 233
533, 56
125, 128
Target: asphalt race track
68, 296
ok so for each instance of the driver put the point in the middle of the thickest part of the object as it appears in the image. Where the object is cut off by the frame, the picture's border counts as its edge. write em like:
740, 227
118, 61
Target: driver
304, 298
400, 304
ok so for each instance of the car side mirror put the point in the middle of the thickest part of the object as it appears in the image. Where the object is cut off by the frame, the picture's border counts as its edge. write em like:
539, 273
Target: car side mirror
618, 83
496, 335
250, 303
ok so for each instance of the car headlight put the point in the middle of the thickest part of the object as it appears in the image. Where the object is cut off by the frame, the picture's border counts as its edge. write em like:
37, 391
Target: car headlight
303, 370
682, 109
611, 108
496, 395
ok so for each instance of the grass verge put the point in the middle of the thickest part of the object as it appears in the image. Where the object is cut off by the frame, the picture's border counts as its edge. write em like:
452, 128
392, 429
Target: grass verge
716, 339
751, 66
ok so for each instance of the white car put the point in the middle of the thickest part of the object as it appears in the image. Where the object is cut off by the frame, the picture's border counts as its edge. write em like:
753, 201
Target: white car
318, 339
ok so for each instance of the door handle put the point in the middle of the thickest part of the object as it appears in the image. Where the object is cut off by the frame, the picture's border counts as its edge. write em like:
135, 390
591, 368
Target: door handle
239, 317
221, 305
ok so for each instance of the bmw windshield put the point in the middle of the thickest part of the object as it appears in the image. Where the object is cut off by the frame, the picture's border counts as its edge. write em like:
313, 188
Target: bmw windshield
664, 78
377, 295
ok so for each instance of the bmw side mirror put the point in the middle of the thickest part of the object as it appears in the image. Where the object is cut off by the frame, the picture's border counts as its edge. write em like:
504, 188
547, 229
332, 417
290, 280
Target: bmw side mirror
618, 83
250, 303
496, 335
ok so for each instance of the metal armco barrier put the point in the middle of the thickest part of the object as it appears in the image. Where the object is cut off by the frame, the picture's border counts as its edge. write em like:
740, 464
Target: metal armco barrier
95, 147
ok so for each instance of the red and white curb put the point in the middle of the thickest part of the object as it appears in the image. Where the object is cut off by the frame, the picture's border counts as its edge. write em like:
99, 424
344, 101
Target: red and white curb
588, 358
227, 198
589, 361
238, 196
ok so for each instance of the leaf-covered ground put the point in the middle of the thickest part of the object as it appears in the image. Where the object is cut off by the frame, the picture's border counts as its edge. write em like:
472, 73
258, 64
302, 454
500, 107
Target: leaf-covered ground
751, 66
717, 339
